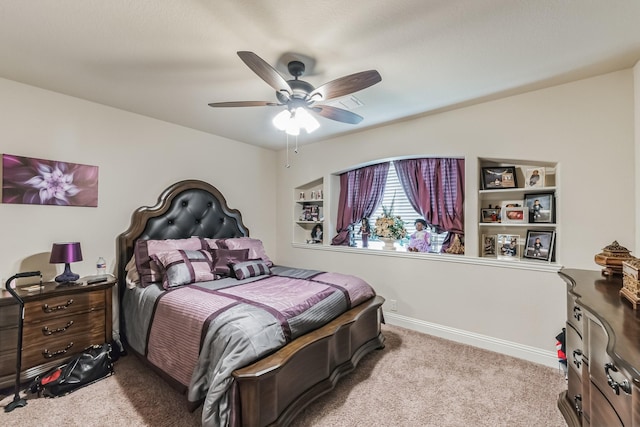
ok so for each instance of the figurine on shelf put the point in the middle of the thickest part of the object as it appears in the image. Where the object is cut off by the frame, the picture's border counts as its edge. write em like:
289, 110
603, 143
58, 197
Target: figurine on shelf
420, 239
365, 231
316, 234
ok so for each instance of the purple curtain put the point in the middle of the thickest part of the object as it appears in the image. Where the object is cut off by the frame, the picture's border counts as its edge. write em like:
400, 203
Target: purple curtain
435, 189
361, 192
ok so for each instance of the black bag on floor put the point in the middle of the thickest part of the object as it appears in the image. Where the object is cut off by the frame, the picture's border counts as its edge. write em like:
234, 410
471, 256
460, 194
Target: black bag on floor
93, 364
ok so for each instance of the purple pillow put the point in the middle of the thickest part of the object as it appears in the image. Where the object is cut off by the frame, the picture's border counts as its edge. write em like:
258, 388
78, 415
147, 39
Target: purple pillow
148, 270
250, 268
256, 249
222, 258
182, 267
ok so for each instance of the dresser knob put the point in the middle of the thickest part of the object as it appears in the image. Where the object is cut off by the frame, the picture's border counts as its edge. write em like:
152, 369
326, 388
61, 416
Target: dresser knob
47, 331
616, 386
577, 403
577, 313
47, 309
49, 355
577, 358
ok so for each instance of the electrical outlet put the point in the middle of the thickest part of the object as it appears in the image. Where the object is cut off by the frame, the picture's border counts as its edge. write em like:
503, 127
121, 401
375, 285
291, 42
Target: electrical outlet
393, 305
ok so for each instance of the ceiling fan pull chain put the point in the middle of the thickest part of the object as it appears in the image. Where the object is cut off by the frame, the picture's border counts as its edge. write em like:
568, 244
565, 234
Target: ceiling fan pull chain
287, 165
296, 150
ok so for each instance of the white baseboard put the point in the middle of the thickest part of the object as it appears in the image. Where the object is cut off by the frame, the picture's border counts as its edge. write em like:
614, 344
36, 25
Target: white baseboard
531, 354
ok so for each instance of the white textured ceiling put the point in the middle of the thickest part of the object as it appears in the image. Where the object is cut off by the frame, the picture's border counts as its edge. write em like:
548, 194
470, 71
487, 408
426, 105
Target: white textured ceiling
168, 59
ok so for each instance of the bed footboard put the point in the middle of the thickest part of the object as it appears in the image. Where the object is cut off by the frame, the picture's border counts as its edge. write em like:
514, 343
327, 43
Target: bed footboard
275, 389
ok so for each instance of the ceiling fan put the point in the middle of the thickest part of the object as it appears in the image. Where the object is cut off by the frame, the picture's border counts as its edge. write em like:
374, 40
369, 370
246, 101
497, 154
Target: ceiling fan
300, 96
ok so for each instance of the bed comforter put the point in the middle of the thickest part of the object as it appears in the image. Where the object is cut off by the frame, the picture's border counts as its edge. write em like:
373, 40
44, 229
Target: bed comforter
200, 333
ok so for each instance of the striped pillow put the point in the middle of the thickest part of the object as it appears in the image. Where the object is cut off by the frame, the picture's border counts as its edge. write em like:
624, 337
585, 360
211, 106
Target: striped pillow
256, 249
182, 267
148, 269
225, 257
250, 268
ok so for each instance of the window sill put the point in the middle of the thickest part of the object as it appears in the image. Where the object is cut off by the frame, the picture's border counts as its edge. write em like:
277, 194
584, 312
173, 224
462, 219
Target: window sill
459, 259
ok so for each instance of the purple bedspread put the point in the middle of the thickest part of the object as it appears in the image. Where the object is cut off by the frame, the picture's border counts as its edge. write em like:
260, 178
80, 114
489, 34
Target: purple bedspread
200, 335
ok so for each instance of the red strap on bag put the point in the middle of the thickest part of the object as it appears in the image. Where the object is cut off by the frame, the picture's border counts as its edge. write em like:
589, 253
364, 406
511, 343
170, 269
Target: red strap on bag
52, 377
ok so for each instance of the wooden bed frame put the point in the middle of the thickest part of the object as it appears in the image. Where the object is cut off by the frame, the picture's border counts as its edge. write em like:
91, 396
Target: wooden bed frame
273, 390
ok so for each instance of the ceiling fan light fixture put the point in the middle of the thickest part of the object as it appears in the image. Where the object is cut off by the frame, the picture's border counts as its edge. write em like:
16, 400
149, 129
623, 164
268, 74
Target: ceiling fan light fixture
292, 121
293, 129
305, 120
281, 120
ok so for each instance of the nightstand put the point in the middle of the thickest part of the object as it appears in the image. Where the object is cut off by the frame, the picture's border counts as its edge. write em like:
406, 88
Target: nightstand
59, 322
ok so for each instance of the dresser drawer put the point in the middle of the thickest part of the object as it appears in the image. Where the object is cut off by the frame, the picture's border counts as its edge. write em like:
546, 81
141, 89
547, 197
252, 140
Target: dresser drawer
575, 349
604, 373
39, 346
602, 413
574, 391
575, 315
63, 305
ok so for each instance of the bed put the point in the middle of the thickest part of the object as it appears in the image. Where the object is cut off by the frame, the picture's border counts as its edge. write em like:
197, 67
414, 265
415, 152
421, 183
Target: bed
264, 371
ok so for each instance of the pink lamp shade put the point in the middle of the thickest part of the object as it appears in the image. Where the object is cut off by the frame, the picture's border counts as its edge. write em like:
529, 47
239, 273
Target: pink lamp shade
66, 253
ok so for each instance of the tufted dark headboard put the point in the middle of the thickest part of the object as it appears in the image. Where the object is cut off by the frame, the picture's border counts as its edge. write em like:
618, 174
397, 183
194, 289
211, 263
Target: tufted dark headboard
187, 208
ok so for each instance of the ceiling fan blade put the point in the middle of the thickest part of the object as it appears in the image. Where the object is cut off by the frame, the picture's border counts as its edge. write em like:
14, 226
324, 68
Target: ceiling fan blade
337, 114
346, 85
265, 71
243, 104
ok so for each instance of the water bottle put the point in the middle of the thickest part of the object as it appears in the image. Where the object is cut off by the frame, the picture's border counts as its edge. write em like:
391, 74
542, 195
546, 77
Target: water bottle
101, 267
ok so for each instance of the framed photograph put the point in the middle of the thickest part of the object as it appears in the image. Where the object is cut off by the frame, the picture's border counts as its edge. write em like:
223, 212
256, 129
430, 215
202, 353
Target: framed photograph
490, 215
488, 245
494, 178
541, 207
534, 177
508, 246
539, 245
519, 215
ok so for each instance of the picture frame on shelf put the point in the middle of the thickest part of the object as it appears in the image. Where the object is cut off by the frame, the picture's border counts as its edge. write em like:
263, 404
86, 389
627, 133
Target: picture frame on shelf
508, 246
515, 215
534, 177
499, 177
511, 204
488, 246
490, 215
539, 245
541, 207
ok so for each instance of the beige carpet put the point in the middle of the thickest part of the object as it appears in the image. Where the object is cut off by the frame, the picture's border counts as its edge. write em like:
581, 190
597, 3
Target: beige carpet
417, 380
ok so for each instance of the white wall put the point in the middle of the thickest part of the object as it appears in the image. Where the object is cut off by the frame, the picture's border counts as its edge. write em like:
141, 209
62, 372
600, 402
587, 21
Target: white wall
586, 127
137, 157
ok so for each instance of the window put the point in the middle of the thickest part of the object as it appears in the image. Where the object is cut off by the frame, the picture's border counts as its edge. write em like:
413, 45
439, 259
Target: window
401, 205
436, 184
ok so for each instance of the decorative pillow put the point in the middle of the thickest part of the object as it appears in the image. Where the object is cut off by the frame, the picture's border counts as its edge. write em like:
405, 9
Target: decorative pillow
256, 249
147, 268
250, 268
133, 278
183, 267
215, 243
222, 258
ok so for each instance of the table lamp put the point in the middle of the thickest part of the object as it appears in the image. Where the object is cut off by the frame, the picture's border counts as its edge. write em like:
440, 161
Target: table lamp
66, 253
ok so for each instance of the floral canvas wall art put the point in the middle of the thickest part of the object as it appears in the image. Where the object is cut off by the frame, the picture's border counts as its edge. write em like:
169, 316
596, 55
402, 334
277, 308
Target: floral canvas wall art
27, 180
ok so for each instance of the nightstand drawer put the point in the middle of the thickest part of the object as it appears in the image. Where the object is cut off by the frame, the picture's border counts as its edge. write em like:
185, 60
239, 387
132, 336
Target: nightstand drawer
63, 305
9, 316
53, 331
85, 329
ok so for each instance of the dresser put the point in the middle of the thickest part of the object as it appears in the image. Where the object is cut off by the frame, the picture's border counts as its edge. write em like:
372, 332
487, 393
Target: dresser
603, 353
59, 322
